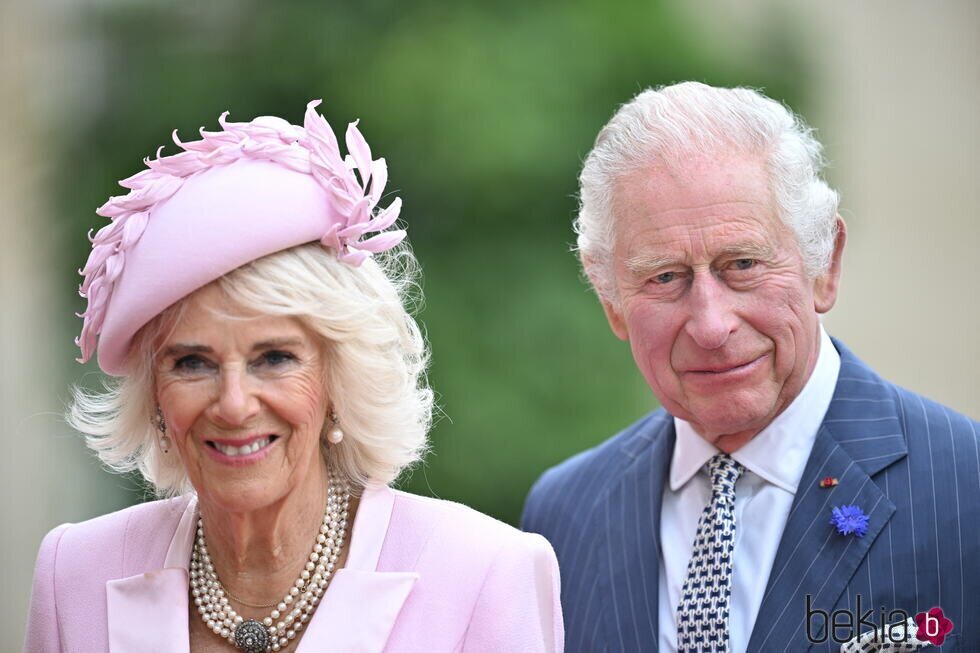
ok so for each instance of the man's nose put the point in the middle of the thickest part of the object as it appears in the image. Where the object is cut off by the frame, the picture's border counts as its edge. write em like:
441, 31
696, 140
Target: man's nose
712, 312
236, 402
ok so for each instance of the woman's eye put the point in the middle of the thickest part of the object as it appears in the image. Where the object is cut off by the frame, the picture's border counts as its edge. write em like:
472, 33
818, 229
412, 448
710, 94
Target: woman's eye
275, 358
191, 363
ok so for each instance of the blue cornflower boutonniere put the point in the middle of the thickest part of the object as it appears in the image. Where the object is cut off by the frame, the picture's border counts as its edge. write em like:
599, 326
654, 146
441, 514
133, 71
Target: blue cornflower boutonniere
850, 520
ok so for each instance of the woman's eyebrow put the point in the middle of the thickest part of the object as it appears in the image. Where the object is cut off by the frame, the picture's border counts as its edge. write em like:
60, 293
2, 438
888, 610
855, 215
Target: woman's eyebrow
274, 343
183, 349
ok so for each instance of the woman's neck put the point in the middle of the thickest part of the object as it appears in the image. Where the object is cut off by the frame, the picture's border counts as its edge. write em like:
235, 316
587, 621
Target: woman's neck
259, 554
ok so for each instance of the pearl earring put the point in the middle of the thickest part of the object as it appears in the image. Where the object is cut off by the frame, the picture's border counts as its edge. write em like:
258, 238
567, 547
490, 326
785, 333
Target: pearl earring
335, 434
161, 425
158, 420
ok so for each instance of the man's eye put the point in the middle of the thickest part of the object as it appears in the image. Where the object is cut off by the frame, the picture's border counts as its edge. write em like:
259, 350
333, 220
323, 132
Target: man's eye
665, 277
743, 263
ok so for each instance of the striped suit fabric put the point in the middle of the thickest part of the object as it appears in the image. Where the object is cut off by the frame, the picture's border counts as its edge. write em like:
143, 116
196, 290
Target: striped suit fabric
911, 464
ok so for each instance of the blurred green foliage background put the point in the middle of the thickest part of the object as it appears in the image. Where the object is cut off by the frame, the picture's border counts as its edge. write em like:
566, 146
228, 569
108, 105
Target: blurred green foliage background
484, 112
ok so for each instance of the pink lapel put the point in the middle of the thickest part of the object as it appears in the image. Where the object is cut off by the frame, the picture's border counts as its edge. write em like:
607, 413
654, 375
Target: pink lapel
148, 612
359, 609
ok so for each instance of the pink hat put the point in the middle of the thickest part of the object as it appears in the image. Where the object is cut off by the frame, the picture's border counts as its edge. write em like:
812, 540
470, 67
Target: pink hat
230, 198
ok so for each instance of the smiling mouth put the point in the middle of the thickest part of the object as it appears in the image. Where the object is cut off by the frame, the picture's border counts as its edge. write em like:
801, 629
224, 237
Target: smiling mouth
232, 451
724, 370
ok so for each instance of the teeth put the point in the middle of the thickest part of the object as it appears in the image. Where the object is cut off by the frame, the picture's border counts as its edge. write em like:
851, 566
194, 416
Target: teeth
232, 450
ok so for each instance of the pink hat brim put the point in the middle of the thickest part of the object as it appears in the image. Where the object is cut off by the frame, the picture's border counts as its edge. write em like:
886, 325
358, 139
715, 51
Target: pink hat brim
220, 219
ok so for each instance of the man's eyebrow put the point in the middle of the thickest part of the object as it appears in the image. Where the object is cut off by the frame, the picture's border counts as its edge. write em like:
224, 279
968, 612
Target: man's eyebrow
645, 263
747, 250
642, 264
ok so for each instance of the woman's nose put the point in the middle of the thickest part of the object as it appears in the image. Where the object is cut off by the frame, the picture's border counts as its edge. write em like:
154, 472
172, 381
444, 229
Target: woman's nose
236, 402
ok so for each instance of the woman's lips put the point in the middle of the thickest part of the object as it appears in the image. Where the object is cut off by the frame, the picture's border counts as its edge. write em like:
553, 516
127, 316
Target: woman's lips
241, 452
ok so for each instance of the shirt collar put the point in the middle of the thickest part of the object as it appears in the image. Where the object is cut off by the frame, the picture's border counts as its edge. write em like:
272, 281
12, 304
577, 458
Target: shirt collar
778, 453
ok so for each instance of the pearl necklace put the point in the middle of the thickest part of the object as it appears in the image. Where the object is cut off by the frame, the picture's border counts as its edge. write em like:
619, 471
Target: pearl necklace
283, 624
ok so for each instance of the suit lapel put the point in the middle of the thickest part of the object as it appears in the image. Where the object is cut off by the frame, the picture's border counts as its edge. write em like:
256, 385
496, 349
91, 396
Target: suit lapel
358, 612
628, 551
359, 609
860, 436
148, 612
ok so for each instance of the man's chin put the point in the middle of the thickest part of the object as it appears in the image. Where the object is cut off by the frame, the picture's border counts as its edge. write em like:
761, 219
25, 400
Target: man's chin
729, 425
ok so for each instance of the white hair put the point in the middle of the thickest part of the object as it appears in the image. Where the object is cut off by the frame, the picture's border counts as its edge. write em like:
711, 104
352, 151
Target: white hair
376, 359
661, 126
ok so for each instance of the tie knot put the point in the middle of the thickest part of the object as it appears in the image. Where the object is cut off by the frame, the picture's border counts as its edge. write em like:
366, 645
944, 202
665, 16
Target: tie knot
724, 471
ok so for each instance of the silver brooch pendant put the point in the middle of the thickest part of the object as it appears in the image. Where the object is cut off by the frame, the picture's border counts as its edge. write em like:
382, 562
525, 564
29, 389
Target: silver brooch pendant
251, 637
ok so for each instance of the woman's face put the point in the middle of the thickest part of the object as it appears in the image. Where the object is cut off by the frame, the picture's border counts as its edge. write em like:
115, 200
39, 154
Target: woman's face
244, 402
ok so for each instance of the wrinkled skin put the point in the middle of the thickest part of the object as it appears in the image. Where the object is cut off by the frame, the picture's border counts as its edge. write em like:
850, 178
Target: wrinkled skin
713, 298
231, 379
237, 387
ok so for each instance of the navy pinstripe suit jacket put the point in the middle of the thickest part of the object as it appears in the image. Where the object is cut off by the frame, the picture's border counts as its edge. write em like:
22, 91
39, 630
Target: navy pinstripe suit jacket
912, 465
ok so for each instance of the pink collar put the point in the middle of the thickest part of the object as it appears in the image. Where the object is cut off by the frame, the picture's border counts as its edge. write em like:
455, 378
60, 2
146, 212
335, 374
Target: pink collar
148, 612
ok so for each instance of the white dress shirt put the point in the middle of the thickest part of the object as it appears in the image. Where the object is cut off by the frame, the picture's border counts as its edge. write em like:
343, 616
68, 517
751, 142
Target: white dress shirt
774, 461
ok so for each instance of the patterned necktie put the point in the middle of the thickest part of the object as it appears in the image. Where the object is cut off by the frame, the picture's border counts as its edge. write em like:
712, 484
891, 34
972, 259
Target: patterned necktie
702, 616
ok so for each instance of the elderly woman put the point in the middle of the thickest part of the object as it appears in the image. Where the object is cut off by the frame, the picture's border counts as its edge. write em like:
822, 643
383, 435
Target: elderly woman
271, 386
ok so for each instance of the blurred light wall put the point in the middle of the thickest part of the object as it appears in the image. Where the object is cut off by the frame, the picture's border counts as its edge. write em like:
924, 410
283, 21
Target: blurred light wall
898, 102
45, 476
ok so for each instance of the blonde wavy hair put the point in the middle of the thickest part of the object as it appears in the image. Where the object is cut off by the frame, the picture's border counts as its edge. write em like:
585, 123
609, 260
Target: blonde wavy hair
375, 372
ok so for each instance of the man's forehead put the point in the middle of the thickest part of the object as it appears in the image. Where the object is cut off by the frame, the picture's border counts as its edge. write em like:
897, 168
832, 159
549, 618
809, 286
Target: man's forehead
694, 182
699, 209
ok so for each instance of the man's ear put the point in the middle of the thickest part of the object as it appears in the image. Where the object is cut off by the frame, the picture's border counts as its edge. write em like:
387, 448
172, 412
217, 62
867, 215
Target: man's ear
616, 321
825, 286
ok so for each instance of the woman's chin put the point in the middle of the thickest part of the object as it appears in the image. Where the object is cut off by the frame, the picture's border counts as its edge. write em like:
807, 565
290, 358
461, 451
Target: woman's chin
238, 496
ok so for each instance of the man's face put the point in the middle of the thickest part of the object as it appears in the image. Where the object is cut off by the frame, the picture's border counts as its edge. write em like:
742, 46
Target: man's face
713, 297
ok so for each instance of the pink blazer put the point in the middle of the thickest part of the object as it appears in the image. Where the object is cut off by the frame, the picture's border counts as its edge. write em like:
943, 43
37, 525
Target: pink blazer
422, 575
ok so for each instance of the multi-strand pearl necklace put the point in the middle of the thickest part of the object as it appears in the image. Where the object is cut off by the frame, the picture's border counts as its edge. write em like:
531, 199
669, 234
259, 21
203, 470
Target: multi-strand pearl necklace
283, 624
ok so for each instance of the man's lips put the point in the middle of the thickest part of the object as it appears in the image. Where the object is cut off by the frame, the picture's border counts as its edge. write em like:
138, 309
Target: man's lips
722, 368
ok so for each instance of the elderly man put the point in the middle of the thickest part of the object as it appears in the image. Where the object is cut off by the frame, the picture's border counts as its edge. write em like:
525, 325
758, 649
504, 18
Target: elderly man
785, 496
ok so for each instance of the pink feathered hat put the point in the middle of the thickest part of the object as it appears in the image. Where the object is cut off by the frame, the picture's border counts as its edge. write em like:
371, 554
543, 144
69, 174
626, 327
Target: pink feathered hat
230, 198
